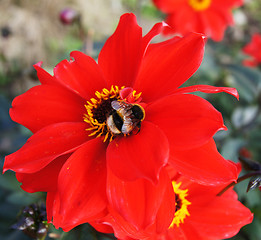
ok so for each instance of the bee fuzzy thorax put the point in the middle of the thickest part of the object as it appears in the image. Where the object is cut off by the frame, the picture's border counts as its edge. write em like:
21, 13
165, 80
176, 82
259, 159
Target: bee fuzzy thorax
125, 117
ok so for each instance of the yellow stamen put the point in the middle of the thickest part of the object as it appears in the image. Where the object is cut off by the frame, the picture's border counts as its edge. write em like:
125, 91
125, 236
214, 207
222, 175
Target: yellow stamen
99, 128
199, 5
136, 96
181, 205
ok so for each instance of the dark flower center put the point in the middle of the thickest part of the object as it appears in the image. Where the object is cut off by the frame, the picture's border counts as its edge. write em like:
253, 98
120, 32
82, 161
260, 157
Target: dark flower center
101, 113
178, 202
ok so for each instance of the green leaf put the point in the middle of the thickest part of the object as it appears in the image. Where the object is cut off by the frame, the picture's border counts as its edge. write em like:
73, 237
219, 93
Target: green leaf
243, 116
9, 182
246, 80
231, 147
22, 198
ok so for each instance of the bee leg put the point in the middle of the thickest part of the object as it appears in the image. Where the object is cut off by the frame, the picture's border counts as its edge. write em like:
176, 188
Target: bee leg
138, 127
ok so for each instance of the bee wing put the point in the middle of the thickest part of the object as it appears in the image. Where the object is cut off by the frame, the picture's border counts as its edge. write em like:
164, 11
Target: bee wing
127, 126
116, 105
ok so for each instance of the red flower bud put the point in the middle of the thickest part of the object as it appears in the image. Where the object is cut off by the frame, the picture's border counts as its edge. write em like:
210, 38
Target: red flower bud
69, 16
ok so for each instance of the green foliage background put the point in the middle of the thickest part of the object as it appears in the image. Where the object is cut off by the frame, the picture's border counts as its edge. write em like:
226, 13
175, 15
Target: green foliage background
48, 40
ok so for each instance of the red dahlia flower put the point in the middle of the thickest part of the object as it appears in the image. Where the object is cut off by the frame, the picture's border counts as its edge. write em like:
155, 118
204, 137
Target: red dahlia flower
254, 50
124, 114
210, 17
199, 215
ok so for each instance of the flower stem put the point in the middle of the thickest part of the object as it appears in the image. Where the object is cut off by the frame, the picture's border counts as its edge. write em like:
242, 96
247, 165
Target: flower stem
240, 179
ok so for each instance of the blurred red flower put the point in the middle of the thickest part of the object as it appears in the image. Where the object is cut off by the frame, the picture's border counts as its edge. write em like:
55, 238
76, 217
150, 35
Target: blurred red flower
210, 17
80, 116
253, 49
199, 215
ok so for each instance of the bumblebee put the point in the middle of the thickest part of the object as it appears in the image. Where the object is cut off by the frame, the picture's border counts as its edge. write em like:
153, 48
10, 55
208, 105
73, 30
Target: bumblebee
124, 117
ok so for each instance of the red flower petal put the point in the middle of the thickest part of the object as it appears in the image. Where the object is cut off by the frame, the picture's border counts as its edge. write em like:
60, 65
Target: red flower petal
52, 207
216, 21
122, 228
38, 182
168, 6
225, 4
82, 185
186, 20
44, 105
46, 145
104, 228
204, 164
250, 49
140, 201
185, 232
140, 155
187, 120
51, 200
220, 218
166, 211
121, 55
157, 29
250, 62
162, 73
43, 76
81, 75
208, 89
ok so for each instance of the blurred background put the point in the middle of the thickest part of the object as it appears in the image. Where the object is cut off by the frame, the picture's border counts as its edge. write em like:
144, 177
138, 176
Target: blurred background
33, 31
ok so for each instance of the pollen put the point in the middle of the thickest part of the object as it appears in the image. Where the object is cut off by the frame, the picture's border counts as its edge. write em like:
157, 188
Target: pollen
199, 5
99, 108
181, 205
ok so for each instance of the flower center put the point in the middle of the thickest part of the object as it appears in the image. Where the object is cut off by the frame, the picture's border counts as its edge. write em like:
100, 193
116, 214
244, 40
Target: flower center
181, 205
114, 112
199, 5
